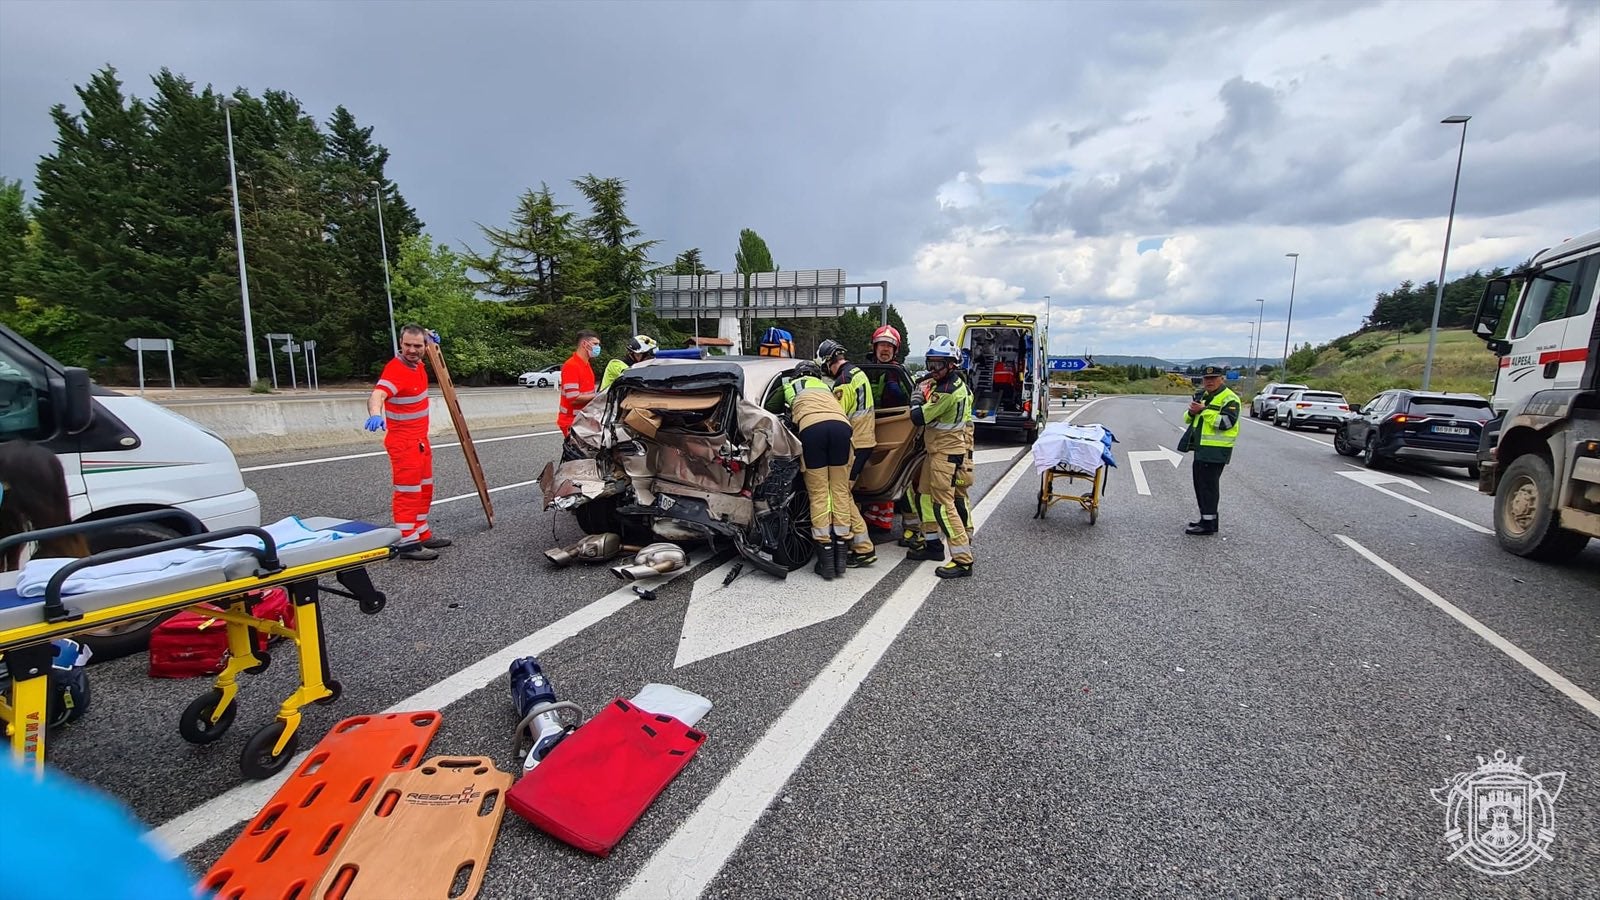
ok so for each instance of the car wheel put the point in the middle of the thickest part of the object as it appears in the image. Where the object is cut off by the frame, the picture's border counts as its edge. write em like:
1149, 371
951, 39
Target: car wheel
125, 638
1341, 444
599, 516
1474, 472
795, 546
1369, 454
1525, 516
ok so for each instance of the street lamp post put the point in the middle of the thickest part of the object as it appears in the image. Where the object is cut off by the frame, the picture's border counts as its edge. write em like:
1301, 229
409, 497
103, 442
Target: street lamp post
1255, 358
1047, 332
238, 236
1444, 258
383, 247
1290, 323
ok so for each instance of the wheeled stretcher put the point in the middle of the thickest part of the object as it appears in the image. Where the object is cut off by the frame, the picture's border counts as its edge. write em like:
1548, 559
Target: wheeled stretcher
29, 624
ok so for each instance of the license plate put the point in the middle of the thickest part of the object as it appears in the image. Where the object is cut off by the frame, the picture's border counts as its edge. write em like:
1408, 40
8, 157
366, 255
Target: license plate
1451, 429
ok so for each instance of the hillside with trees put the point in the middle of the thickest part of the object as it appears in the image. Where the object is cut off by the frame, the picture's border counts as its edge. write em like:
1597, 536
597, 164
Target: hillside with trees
130, 233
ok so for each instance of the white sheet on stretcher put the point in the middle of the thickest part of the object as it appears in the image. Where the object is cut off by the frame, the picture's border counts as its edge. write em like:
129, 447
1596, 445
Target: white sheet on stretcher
1080, 448
36, 574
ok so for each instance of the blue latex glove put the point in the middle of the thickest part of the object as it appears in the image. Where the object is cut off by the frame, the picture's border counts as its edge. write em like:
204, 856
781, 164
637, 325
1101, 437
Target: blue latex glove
433, 336
375, 423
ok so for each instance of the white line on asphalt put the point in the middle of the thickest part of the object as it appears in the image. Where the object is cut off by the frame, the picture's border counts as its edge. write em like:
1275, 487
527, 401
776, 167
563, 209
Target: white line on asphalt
1469, 485
994, 455
185, 832
1293, 433
1367, 477
1551, 677
687, 862
494, 490
329, 459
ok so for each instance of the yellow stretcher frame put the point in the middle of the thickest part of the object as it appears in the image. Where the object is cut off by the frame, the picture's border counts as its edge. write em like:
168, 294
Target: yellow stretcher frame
28, 652
1089, 501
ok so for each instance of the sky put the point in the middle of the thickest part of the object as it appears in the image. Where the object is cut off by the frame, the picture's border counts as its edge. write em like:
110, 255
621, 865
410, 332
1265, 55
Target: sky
1146, 165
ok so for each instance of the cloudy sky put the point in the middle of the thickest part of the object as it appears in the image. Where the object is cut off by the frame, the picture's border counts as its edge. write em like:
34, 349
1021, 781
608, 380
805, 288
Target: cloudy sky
1145, 164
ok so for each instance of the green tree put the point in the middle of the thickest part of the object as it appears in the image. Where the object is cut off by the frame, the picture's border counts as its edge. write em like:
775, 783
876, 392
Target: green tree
14, 247
618, 256
689, 262
752, 255
431, 288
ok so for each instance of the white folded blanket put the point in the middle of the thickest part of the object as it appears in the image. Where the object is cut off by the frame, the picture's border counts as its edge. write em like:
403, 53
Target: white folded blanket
1080, 447
36, 574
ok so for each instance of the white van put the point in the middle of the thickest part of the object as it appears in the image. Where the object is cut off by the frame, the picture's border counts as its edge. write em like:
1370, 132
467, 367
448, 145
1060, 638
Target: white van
121, 455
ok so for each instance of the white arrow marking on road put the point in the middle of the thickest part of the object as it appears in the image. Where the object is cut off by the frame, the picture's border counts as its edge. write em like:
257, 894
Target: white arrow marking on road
757, 606
1376, 480
1138, 458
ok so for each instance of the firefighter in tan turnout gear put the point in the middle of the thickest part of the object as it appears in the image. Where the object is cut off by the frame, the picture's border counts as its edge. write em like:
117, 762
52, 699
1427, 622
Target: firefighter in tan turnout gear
825, 452
854, 392
945, 417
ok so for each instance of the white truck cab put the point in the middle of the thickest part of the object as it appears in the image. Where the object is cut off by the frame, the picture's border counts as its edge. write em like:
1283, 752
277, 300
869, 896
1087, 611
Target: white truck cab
1540, 457
120, 454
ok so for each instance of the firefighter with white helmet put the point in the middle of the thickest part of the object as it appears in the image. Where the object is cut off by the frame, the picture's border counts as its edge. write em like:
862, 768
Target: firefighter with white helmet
640, 348
945, 417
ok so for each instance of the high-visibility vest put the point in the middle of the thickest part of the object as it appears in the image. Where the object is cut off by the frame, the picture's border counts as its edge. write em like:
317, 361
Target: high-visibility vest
1209, 435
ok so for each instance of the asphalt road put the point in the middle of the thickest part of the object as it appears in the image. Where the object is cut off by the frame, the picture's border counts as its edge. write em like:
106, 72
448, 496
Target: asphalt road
1106, 710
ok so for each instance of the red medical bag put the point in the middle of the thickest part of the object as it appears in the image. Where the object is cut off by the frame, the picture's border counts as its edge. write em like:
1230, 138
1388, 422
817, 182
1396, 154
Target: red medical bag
192, 643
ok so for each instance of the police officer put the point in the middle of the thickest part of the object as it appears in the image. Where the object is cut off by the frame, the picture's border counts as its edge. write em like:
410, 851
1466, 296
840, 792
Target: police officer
945, 417
854, 392
825, 438
1213, 422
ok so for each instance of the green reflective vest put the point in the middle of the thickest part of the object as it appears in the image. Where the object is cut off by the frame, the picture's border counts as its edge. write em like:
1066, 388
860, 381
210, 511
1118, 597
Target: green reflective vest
1215, 444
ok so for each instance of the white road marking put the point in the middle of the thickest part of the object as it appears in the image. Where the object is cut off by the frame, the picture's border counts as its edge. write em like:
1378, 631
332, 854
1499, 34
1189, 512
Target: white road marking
1304, 437
1551, 677
1469, 485
1138, 458
687, 862
493, 490
329, 459
216, 816
1375, 480
755, 608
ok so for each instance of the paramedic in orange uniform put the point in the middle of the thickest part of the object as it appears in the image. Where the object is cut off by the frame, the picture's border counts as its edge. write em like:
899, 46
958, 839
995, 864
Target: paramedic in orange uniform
399, 407
577, 380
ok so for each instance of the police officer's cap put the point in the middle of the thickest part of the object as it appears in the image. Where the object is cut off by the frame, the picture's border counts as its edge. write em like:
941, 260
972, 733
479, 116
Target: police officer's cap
1208, 371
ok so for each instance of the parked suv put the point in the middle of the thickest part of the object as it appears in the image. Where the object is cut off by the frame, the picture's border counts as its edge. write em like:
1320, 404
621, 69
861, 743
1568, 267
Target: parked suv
1265, 402
1420, 425
1311, 409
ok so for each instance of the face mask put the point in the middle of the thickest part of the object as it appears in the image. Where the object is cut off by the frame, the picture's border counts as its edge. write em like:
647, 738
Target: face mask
594, 350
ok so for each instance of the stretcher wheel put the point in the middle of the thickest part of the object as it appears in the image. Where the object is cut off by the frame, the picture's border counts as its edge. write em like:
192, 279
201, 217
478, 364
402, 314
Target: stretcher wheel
196, 726
266, 660
257, 760
1094, 513
374, 605
336, 688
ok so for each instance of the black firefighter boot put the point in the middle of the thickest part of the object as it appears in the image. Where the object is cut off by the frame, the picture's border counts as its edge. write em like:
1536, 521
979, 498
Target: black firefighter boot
825, 561
932, 550
841, 555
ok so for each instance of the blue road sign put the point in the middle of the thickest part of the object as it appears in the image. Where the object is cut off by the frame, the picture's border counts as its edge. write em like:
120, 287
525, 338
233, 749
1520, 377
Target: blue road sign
1233, 375
1068, 364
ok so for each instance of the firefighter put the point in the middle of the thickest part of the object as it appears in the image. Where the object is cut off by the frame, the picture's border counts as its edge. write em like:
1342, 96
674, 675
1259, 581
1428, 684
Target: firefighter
641, 348
825, 437
854, 392
945, 418
398, 407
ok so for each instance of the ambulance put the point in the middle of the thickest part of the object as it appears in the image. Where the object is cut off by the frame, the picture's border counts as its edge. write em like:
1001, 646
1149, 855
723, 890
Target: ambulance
1003, 357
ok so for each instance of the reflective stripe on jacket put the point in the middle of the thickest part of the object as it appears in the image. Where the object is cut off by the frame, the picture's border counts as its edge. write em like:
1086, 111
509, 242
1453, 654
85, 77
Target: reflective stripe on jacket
810, 401
854, 390
1218, 426
945, 415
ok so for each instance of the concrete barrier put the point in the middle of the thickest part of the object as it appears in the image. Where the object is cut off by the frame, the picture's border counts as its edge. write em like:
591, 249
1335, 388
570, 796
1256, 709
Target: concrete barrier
253, 426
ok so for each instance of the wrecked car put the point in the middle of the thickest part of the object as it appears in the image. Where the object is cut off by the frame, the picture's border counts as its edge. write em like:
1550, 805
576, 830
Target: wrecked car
699, 450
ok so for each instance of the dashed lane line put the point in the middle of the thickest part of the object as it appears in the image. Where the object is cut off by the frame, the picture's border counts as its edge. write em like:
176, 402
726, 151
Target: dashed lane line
330, 459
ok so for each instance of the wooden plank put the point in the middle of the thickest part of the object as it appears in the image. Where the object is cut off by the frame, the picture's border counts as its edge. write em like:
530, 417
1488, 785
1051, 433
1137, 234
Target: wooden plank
441, 374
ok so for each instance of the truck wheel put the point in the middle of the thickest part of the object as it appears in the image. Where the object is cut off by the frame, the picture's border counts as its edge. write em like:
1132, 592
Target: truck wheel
1524, 513
125, 638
